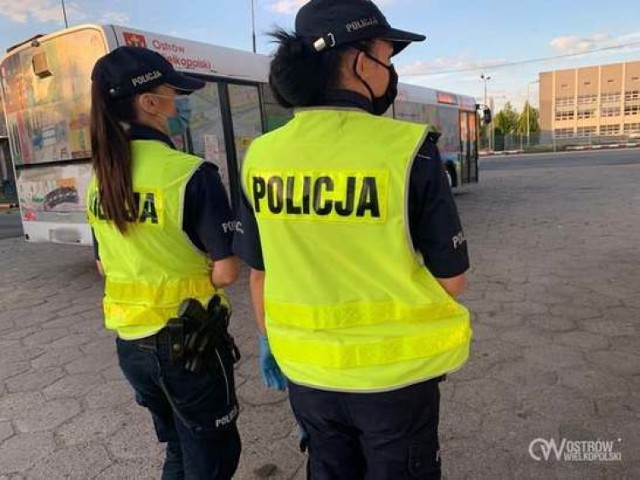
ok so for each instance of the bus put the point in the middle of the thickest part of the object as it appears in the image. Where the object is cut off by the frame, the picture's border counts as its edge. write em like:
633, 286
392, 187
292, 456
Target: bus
45, 86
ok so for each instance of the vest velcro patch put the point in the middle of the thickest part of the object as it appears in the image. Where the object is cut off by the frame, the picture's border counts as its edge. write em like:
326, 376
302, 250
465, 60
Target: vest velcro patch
336, 196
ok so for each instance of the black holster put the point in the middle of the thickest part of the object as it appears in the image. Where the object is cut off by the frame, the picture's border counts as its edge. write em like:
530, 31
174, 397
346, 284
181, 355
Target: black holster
201, 332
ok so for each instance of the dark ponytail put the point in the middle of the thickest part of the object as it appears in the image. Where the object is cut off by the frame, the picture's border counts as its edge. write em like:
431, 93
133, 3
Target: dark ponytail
301, 76
112, 156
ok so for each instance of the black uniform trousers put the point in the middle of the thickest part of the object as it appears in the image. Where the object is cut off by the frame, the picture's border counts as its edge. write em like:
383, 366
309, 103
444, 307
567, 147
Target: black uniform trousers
194, 413
370, 436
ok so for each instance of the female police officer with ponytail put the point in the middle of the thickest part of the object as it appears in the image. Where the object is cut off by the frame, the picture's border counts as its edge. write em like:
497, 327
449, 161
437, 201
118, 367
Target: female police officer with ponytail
158, 217
355, 251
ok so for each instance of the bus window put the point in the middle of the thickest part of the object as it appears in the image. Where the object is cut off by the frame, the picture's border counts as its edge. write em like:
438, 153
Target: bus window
274, 115
410, 112
415, 112
244, 102
446, 122
207, 134
48, 112
443, 118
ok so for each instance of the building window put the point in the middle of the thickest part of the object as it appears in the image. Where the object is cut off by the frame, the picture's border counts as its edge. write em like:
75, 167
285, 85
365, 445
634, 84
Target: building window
565, 115
611, 80
588, 113
632, 128
587, 99
610, 112
610, 97
609, 130
633, 95
632, 110
586, 131
586, 84
563, 133
565, 101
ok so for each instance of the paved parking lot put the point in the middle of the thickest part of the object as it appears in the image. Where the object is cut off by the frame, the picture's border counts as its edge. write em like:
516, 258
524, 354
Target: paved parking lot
555, 292
10, 225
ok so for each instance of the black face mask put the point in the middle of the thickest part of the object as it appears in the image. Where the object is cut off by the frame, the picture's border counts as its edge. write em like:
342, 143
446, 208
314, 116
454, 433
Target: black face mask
381, 104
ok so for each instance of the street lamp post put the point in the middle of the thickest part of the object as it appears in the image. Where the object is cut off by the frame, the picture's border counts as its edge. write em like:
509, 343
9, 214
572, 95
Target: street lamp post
64, 14
528, 110
253, 24
485, 79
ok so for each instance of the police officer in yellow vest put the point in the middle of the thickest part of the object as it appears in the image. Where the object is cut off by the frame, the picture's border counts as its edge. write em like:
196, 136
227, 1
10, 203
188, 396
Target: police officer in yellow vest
160, 221
358, 254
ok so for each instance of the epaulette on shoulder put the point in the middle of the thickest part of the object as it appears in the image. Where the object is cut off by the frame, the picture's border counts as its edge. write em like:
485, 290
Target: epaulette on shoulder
433, 135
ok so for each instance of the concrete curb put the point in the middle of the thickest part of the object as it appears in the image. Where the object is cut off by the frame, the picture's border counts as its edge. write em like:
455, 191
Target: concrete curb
575, 148
501, 153
601, 147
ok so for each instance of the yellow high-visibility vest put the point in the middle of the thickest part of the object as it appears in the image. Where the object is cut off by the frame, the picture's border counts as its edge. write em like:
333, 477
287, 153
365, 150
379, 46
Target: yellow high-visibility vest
151, 269
349, 304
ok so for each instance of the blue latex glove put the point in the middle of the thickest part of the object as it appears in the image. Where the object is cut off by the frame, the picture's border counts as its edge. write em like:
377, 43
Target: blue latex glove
303, 436
272, 376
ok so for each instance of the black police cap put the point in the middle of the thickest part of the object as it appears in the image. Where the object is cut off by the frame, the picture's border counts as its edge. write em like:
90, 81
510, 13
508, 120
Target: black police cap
331, 23
128, 71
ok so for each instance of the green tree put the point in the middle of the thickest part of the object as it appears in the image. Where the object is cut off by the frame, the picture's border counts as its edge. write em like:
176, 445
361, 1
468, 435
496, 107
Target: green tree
534, 116
485, 132
507, 120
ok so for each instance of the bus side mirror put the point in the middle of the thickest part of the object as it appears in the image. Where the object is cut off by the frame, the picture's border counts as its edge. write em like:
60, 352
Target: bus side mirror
486, 115
41, 65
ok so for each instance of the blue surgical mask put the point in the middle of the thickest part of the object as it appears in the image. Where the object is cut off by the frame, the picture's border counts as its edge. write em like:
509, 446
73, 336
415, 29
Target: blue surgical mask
177, 124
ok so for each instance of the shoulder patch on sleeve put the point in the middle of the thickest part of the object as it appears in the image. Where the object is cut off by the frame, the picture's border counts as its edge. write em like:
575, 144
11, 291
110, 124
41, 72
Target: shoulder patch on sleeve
433, 135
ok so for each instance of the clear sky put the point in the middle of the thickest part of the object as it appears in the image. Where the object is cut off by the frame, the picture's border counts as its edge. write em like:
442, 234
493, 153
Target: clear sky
473, 36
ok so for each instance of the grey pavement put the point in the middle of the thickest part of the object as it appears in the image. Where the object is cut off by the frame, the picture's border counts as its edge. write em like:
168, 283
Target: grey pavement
555, 293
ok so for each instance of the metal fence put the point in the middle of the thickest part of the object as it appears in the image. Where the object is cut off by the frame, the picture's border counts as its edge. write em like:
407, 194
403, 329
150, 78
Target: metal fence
546, 141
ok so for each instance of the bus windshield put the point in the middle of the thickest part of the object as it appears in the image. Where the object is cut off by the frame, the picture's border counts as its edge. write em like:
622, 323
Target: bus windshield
47, 94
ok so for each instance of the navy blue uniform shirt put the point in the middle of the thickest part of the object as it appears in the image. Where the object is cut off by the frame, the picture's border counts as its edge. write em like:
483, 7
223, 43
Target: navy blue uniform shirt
433, 217
206, 215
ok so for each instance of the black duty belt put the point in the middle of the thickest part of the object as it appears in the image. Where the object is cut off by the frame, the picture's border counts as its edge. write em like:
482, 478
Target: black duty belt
160, 338
196, 334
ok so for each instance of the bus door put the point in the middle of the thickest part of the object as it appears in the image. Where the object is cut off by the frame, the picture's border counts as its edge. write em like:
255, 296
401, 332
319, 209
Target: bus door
225, 118
273, 114
469, 146
253, 111
243, 125
465, 148
206, 138
473, 147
